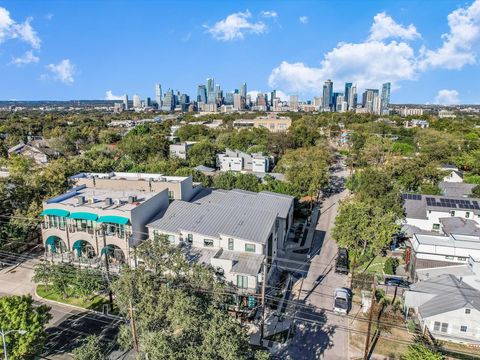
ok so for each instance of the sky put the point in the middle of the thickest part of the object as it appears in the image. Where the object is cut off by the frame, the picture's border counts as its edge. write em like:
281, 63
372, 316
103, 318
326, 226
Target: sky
62, 50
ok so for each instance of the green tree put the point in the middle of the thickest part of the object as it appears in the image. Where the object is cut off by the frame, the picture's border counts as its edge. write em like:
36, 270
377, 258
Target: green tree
19, 313
306, 169
202, 153
390, 266
363, 229
476, 191
91, 349
420, 351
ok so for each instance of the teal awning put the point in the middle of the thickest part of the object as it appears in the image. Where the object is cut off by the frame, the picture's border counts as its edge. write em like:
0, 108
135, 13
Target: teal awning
113, 219
55, 212
51, 240
109, 249
83, 216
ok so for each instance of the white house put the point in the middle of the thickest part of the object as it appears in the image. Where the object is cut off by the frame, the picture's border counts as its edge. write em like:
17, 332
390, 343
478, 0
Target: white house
448, 307
423, 212
181, 150
235, 160
234, 231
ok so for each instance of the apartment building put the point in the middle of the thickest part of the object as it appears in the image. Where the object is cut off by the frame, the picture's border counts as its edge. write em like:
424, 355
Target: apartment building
178, 187
272, 123
86, 222
235, 160
233, 231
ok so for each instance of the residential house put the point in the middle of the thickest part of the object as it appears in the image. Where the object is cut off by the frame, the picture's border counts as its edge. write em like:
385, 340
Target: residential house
181, 150
454, 188
236, 160
233, 231
423, 124
447, 307
37, 149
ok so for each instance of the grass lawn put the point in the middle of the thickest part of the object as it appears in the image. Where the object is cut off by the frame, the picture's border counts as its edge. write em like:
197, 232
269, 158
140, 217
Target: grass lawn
95, 303
376, 266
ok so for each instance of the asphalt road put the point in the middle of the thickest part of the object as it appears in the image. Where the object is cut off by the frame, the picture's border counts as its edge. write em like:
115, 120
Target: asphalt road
321, 334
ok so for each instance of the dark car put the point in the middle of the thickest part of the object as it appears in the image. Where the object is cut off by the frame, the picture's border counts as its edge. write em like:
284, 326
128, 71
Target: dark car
397, 282
341, 265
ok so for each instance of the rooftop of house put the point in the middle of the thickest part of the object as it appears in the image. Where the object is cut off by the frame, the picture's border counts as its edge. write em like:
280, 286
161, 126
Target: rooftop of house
456, 189
447, 293
242, 214
416, 206
451, 241
130, 177
97, 199
460, 226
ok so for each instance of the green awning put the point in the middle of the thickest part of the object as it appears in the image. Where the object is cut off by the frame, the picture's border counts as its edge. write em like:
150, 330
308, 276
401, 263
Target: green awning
113, 219
51, 240
109, 249
83, 216
55, 212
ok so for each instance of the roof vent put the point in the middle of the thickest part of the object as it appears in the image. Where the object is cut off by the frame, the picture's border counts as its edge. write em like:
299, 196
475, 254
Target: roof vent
91, 200
132, 199
81, 200
108, 201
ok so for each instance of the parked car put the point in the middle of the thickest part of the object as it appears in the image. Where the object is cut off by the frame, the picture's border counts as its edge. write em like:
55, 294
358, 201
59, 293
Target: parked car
342, 299
397, 282
341, 265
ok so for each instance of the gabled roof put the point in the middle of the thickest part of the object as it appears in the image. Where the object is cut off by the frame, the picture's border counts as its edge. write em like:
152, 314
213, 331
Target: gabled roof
450, 294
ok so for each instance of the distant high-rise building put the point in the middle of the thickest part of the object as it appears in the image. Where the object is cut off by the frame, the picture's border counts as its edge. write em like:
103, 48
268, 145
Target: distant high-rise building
385, 98
148, 102
327, 95
184, 101
125, 101
158, 95
273, 96
370, 100
218, 94
348, 89
243, 90
228, 98
262, 102
137, 103
238, 102
335, 101
317, 102
202, 94
352, 98
210, 90
293, 102
168, 103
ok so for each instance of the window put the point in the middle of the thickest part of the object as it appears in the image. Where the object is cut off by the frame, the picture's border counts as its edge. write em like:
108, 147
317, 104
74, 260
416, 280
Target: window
230, 244
171, 195
208, 242
467, 214
463, 328
452, 213
242, 281
449, 257
444, 327
190, 238
436, 326
460, 258
436, 226
250, 248
468, 311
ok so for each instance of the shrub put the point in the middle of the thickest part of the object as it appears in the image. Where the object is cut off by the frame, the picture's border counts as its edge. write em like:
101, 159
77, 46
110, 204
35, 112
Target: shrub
390, 266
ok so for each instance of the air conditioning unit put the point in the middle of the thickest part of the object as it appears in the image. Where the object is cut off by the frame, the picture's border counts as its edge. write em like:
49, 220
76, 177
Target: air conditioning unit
91, 200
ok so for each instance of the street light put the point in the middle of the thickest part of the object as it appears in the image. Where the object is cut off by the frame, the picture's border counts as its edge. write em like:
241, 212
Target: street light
4, 333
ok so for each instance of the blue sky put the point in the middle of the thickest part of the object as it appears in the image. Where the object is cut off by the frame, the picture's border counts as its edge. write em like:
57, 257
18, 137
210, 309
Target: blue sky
83, 49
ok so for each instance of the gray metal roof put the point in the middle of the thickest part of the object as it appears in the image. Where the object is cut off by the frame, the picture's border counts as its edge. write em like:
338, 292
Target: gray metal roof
243, 263
451, 294
456, 189
215, 219
453, 241
278, 204
459, 226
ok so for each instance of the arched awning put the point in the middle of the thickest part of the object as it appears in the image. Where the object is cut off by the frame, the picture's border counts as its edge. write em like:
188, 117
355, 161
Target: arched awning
55, 212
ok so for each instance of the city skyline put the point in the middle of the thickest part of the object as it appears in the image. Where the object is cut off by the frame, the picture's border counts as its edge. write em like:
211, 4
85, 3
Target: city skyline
44, 56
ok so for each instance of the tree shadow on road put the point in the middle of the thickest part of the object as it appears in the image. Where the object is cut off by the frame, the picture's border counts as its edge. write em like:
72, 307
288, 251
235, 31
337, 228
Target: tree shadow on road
312, 335
69, 333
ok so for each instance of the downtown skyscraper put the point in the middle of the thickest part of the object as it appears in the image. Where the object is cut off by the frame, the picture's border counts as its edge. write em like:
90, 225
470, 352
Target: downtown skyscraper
327, 95
158, 95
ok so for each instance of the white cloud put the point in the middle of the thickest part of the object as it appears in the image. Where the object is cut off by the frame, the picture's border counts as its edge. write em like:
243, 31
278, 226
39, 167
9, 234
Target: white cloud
64, 71
10, 29
269, 14
447, 97
367, 64
235, 26
460, 45
303, 19
27, 58
49, 16
109, 96
384, 27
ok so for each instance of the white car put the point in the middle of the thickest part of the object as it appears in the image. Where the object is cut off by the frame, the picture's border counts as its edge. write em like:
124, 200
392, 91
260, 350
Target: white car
341, 300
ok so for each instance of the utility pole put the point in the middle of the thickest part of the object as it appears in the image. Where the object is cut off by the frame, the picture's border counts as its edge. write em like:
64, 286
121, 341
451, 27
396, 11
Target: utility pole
372, 304
134, 329
107, 269
264, 284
